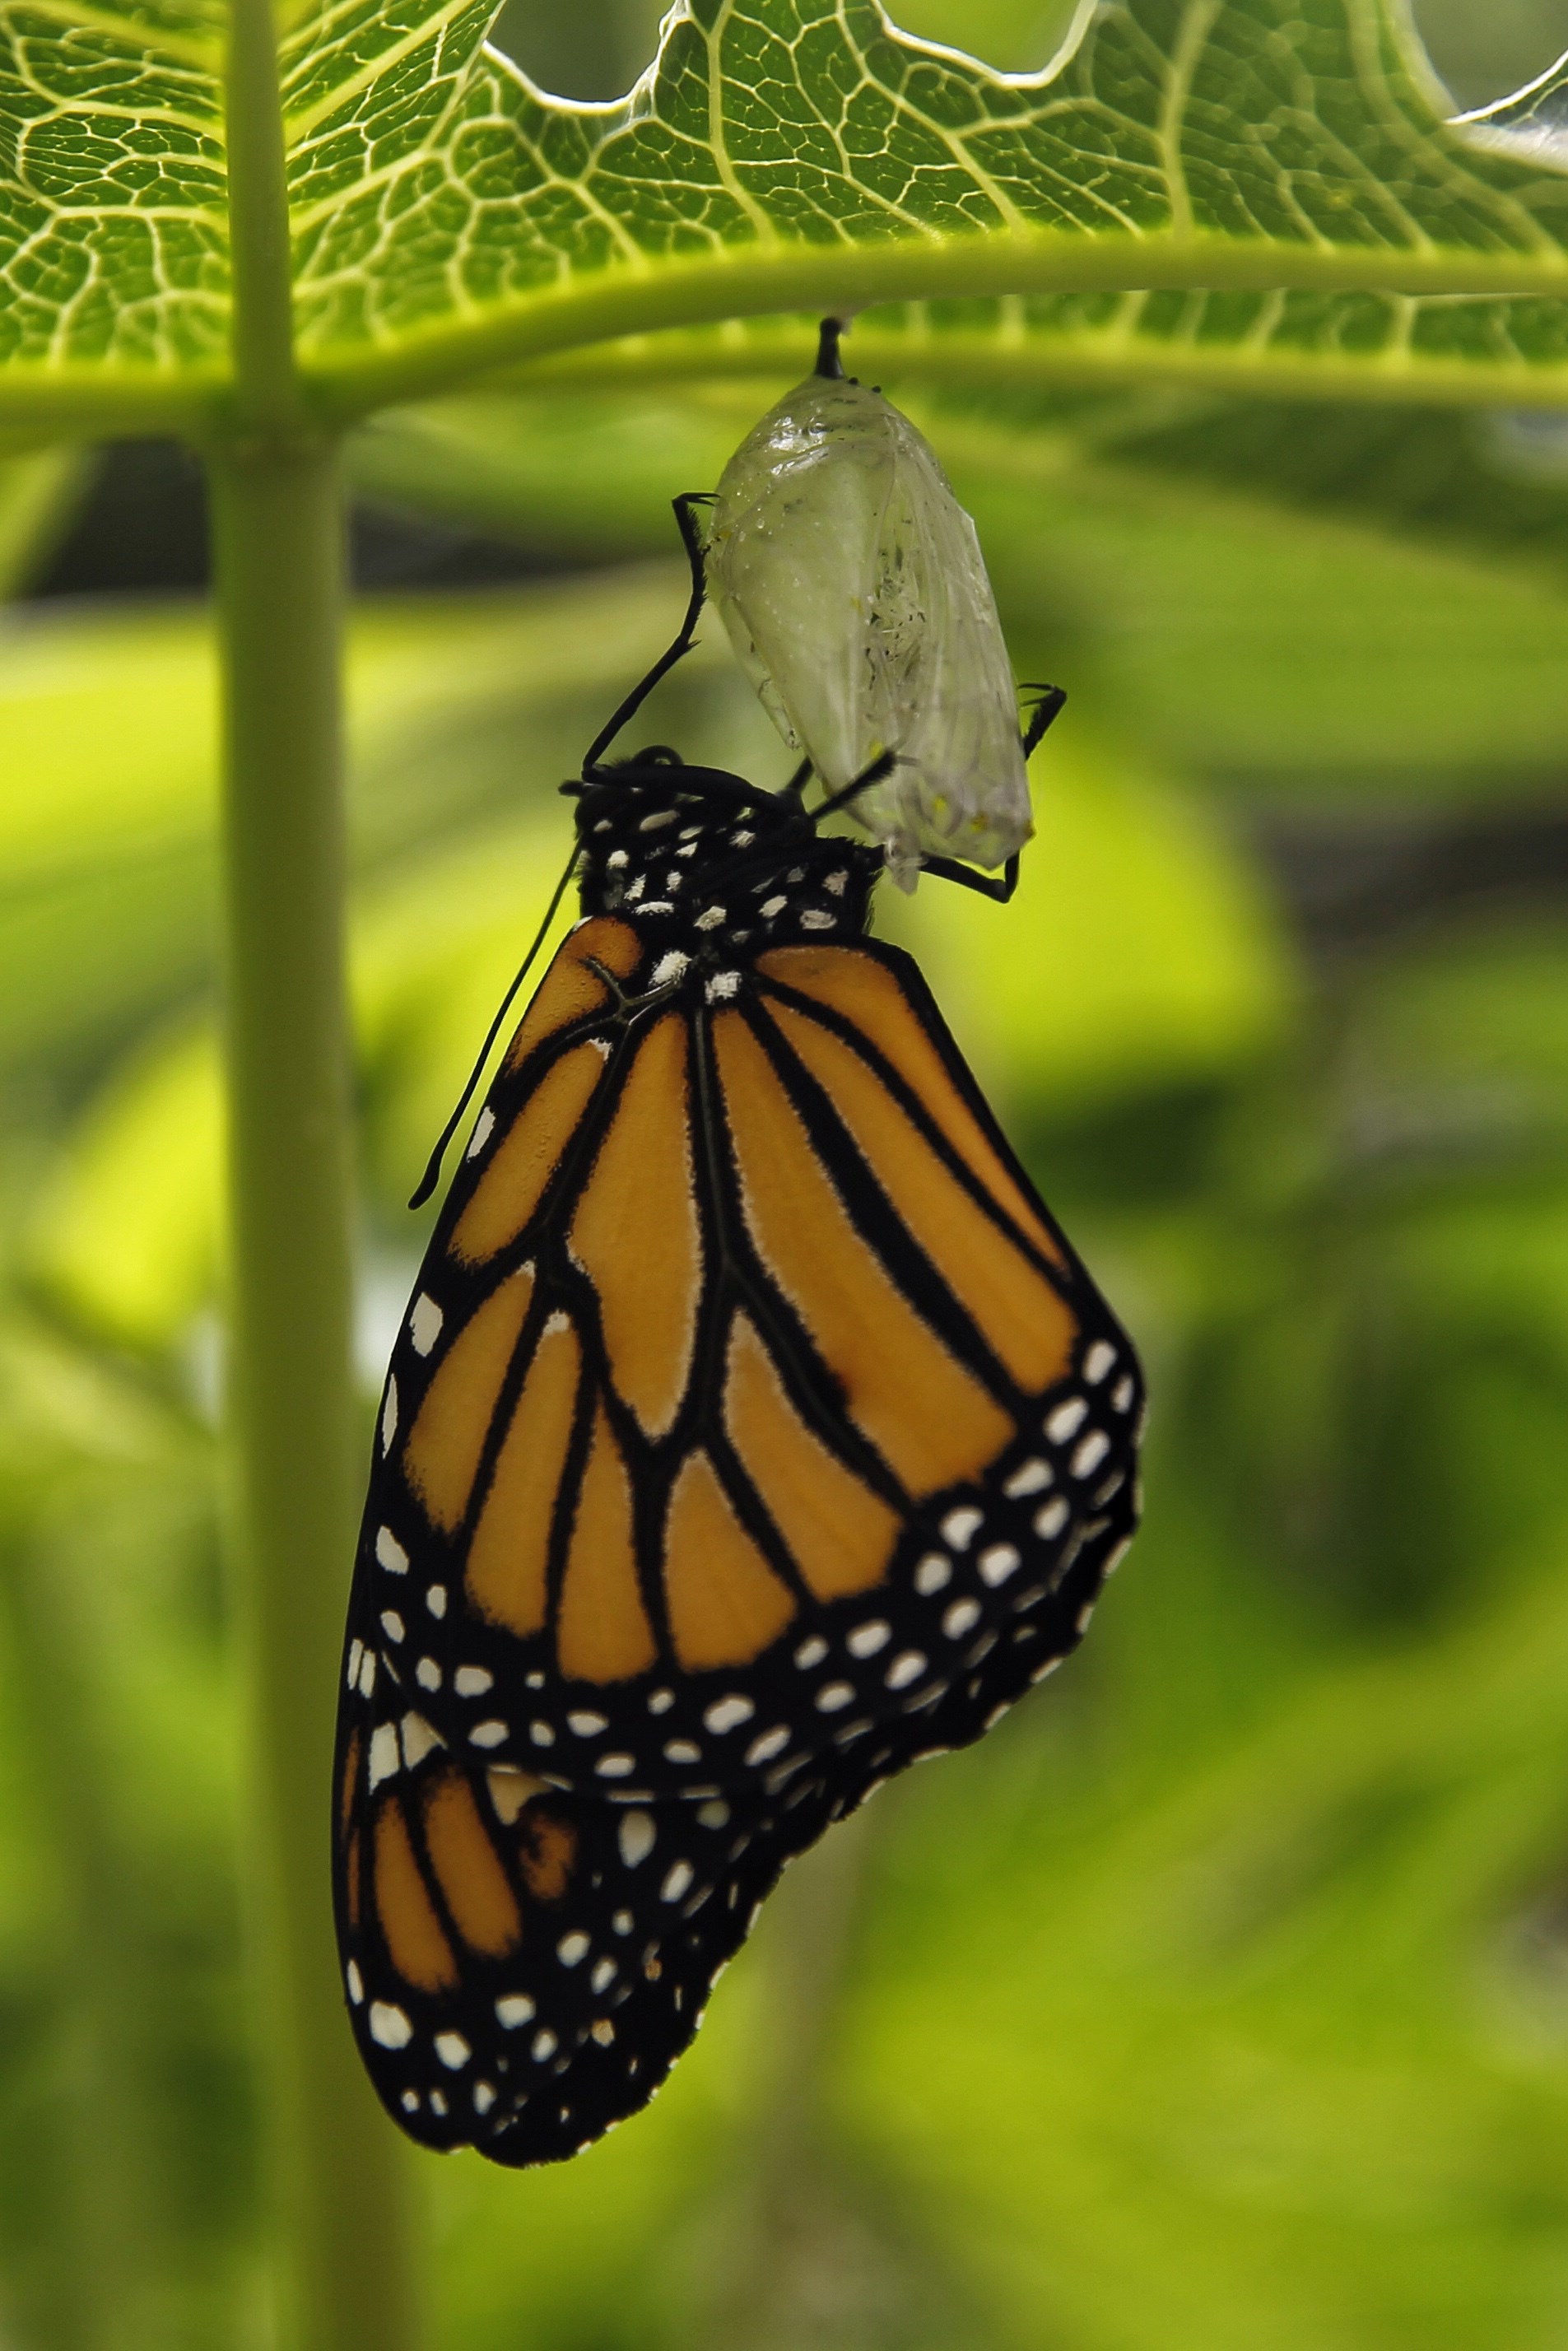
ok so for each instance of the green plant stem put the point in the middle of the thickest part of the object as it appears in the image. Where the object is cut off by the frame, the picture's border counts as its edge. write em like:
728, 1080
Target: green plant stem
279, 565
277, 536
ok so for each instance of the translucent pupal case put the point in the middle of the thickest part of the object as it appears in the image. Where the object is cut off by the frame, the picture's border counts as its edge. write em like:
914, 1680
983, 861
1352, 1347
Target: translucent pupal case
854, 589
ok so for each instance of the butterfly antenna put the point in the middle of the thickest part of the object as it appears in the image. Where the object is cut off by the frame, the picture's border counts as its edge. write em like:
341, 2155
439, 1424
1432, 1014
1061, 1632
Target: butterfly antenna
432, 1175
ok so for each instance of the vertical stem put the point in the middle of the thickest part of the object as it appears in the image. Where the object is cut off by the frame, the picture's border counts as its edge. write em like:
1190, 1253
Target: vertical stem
277, 524
279, 564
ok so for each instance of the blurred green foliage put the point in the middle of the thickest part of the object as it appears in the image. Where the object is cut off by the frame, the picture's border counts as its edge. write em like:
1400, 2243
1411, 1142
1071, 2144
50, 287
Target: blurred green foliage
1221, 1998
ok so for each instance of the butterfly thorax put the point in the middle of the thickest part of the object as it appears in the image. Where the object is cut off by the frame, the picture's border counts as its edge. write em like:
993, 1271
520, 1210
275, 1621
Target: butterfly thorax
706, 865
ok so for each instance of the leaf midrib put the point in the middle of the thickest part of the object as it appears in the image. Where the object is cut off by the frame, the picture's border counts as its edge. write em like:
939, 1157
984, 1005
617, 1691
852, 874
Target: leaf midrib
748, 280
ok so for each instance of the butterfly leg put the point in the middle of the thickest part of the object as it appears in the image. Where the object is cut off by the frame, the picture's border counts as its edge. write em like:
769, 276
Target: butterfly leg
1048, 704
999, 886
679, 645
1049, 701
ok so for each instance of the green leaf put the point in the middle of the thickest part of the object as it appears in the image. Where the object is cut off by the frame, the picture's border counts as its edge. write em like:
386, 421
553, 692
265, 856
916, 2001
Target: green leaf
777, 156
126, 1236
38, 493
1533, 121
1224, 190
112, 195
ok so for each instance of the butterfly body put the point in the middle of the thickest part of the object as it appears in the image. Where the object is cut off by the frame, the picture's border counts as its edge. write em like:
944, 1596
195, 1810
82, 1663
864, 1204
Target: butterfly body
753, 1431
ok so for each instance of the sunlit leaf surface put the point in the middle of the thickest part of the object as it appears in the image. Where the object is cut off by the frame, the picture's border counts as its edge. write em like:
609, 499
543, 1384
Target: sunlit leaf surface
1225, 190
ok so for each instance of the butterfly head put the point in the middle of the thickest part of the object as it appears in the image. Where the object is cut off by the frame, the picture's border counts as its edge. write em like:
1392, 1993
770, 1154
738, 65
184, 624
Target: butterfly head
710, 865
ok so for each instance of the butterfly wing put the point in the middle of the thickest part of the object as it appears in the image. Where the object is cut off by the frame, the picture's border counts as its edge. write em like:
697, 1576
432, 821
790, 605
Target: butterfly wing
753, 1431
524, 1965
751, 1403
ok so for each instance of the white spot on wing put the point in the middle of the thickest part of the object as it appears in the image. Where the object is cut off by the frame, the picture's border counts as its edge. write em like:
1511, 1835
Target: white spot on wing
472, 1681
509, 1789
960, 1527
932, 1573
514, 2008
389, 1416
385, 1760
418, 1739
1090, 1453
425, 1323
451, 2050
483, 1128
389, 2025
728, 1713
1066, 1420
391, 1552
635, 1836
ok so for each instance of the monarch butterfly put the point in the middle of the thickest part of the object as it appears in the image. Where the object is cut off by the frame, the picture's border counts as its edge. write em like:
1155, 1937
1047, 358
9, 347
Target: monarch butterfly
753, 1432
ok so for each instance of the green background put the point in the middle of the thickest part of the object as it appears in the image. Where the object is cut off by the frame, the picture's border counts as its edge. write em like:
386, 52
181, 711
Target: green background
1221, 1998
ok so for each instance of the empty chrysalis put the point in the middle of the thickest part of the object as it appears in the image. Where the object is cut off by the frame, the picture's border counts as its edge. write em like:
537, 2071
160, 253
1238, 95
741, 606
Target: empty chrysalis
854, 589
